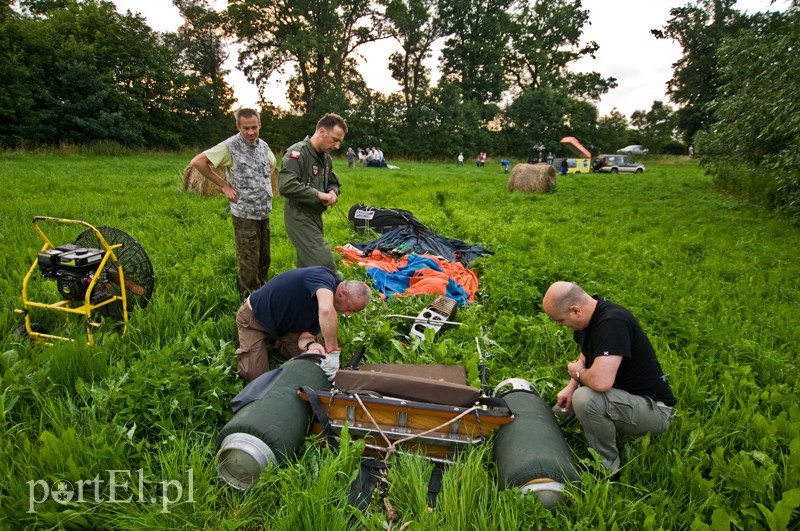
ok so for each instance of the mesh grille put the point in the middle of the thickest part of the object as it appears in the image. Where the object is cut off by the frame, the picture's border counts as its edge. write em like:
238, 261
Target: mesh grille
136, 267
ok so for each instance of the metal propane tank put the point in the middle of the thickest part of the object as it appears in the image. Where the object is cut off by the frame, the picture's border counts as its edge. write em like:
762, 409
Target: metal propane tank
531, 452
270, 423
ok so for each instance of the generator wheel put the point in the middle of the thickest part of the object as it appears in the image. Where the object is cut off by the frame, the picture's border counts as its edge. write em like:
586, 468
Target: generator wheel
136, 267
36, 327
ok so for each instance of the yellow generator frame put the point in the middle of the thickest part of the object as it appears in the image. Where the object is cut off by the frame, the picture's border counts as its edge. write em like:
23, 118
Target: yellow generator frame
67, 306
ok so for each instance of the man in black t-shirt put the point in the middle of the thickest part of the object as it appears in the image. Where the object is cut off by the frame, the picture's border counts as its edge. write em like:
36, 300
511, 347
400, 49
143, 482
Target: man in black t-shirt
292, 310
617, 384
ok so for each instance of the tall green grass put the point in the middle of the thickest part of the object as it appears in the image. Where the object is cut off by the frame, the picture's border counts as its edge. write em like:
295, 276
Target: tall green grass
713, 281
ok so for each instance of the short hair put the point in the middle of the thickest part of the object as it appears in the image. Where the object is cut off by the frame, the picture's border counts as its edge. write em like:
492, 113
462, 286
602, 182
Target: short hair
246, 113
574, 295
358, 291
330, 121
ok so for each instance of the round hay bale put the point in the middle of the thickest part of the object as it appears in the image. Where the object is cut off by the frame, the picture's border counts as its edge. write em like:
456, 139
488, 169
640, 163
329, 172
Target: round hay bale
532, 178
194, 181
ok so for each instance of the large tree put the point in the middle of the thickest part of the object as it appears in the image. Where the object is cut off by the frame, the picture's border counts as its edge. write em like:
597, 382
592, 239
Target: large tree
699, 27
319, 39
655, 128
95, 75
77, 71
612, 132
476, 45
415, 26
754, 143
201, 51
545, 39
536, 116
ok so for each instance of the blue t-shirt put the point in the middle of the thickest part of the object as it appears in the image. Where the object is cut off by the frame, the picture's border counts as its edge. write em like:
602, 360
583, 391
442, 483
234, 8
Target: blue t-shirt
288, 302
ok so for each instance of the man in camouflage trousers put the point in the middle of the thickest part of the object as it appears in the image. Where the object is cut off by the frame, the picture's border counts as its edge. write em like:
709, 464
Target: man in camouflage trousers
309, 186
250, 164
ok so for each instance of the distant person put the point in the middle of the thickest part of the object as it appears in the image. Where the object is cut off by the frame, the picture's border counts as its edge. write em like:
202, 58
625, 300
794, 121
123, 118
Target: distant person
290, 312
362, 157
309, 186
691, 151
250, 164
351, 158
506, 165
550, 158
461, 159
616, 385
564, 166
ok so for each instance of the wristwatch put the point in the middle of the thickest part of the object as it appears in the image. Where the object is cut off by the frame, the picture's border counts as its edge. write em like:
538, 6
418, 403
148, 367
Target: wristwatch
578, 375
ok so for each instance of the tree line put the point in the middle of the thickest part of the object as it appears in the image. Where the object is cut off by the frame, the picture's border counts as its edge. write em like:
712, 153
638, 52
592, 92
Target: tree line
77, 71
738, 88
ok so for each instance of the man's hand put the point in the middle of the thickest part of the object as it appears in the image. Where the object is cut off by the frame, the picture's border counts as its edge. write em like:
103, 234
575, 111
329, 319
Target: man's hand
330, 364
315, 348
230, 193
564, 397
575, 366
329, 198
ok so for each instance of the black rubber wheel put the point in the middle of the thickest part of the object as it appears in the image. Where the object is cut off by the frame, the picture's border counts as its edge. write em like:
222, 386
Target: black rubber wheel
614, 170
36, 327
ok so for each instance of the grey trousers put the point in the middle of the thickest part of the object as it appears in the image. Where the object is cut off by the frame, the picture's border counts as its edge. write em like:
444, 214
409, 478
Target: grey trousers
603, 415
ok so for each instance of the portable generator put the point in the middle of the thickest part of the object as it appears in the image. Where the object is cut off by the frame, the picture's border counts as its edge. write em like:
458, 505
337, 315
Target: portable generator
104, 270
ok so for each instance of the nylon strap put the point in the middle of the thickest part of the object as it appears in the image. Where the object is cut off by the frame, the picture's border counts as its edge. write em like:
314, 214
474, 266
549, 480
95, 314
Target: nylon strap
319, 412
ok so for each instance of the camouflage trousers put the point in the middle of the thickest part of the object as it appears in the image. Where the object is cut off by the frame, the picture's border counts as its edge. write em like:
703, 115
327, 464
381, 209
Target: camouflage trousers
252, 253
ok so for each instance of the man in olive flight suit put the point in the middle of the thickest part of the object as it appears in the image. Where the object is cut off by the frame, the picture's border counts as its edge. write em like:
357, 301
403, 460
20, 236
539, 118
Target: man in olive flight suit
309, 186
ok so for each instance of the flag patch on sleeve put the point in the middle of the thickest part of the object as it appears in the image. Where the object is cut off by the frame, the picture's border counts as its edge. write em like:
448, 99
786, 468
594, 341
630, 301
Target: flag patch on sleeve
295, 154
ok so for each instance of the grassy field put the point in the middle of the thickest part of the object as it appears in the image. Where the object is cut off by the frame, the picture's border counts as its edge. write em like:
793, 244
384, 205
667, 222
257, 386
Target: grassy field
714, 282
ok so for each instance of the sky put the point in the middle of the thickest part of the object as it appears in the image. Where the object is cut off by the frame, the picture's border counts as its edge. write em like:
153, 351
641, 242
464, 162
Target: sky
628, 52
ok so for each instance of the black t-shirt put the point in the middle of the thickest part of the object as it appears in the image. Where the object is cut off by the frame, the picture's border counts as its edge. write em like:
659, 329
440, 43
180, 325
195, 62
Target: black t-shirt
288, 302
614, 331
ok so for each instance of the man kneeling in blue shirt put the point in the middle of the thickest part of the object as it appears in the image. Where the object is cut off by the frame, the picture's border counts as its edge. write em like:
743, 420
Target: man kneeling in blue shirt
292, 310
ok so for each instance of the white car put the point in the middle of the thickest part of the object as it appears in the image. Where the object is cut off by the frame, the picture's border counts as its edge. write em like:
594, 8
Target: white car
634, 151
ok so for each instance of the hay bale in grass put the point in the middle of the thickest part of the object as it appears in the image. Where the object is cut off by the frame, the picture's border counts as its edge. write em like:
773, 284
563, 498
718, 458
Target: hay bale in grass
194, 181
532, 178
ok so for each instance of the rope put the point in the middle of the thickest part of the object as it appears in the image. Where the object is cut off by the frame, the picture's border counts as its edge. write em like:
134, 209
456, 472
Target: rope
391, 447
369, 415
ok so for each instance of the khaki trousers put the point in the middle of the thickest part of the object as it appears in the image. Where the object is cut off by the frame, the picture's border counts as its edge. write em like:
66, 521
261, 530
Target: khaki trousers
253, 342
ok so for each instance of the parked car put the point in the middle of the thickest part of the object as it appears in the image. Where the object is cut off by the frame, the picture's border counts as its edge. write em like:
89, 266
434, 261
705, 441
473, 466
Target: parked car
634, 151
616, 164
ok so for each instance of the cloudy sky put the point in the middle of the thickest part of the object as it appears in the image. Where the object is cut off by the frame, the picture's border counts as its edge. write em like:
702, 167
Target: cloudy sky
641, 64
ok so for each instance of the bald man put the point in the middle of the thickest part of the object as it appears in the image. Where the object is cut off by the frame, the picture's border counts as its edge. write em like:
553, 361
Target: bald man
292, 311
617, 385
